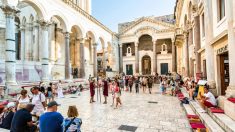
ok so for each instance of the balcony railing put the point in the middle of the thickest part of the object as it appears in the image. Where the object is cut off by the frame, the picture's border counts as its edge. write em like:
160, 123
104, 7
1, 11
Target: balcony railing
88, 16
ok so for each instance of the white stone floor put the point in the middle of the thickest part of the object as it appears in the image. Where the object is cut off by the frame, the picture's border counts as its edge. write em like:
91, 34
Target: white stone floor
165, 116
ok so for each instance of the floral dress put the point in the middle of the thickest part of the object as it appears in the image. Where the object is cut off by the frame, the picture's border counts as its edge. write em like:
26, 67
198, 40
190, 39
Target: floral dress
75, 125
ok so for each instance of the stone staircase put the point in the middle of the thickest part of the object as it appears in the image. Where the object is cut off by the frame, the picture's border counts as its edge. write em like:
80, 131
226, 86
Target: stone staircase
215, 122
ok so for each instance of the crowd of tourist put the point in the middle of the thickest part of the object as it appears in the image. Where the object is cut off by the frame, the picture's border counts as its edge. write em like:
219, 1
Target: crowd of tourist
38, 111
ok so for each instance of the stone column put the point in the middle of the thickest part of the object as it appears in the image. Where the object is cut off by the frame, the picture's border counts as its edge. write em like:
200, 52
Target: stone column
136, 58
209, 51
95, 59
121, 58
154, 59
186, 55
82, 65
35, 48
67, 56
190, 42
230, 92
45, 50
22, 54
174, 65
197, 42
10, 49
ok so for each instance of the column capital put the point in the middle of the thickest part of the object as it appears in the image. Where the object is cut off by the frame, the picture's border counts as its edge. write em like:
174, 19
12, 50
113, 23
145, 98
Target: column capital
95, 45
120, 45
44, 24
67, 35
9, 11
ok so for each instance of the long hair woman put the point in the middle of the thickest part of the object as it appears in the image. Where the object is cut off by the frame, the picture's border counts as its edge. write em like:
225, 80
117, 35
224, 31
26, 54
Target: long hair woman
72, 123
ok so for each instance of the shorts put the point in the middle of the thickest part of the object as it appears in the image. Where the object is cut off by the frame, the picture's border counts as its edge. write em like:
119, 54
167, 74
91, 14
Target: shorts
208, 104
49, 94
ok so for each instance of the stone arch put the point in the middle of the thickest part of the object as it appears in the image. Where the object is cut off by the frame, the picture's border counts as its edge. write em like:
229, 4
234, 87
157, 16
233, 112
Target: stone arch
145, 30
23, 21
145, 42
38, 7
61, 21
75, 50
31, 18
91, 36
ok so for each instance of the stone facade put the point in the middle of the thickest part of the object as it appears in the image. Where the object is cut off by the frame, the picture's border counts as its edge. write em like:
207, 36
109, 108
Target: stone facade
43, 41
209, 53
146, 45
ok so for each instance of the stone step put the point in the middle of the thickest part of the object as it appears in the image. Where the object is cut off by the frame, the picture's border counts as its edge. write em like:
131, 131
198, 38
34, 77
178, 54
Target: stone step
224, 121
205, 117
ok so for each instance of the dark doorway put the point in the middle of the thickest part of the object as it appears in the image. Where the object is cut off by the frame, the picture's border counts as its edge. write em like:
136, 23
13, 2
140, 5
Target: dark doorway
146, 65
224, 72
164, 68
129, 69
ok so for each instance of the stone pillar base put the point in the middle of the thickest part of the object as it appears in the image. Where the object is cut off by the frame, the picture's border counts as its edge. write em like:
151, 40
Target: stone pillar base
230, 92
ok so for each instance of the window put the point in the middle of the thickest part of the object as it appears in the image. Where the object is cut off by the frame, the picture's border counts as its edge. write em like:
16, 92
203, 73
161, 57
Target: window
164, 47
221, 9
203, 25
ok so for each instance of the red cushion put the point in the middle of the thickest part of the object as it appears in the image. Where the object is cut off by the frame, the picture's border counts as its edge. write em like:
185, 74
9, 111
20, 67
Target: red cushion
193, 116
231, 100
4, 103
216, 110
13, 94
197, 125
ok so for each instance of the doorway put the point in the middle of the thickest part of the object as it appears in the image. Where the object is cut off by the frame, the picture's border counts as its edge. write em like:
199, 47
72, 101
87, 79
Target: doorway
224, 72
129, 69
164, 68
146, 65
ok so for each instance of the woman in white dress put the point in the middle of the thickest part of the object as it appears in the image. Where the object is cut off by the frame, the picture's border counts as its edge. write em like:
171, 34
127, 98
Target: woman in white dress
22, 100
60, 90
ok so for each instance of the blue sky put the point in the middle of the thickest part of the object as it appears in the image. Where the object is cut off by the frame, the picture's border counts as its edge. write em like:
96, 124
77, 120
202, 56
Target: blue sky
112, 12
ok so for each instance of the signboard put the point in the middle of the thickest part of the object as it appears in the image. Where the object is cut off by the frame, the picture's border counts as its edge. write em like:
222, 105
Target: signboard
222, 50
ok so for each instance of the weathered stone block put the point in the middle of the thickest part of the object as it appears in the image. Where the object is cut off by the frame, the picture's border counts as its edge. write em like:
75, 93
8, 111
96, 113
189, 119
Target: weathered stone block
229, 109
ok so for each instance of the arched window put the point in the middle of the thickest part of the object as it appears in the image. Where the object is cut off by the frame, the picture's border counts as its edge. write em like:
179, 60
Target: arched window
164, 49
129, 51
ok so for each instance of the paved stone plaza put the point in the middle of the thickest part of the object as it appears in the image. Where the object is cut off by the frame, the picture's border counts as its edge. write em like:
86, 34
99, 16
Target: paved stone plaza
167, 115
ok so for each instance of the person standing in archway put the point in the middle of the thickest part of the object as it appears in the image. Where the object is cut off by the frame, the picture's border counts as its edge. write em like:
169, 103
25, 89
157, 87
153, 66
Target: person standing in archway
150, 84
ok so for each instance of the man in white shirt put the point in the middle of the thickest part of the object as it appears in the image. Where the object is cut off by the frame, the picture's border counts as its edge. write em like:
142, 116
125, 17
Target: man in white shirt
39, 100
208, 99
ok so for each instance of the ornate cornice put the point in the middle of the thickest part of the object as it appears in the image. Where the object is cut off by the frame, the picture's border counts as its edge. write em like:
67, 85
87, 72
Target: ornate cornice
148, 28
148, 20
88, 16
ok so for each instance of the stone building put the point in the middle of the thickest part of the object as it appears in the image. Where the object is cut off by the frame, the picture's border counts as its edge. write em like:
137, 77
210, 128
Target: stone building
146, 45
205, 41
51, 40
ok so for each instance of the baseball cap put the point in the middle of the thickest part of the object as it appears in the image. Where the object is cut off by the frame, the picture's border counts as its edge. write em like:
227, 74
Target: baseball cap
52, 103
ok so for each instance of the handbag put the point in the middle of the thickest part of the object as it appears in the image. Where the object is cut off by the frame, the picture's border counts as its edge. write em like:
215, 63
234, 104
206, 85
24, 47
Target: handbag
67, 127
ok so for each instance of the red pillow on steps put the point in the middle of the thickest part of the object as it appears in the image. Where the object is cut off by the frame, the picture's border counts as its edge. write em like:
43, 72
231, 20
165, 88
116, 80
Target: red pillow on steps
193, 116
216, 110
231, 100
197, 125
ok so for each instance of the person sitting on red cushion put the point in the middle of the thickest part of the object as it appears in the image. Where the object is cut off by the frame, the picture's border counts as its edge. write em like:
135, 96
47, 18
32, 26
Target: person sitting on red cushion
208, 99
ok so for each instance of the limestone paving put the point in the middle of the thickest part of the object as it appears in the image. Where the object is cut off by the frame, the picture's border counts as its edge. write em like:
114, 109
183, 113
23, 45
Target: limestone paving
164, 116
